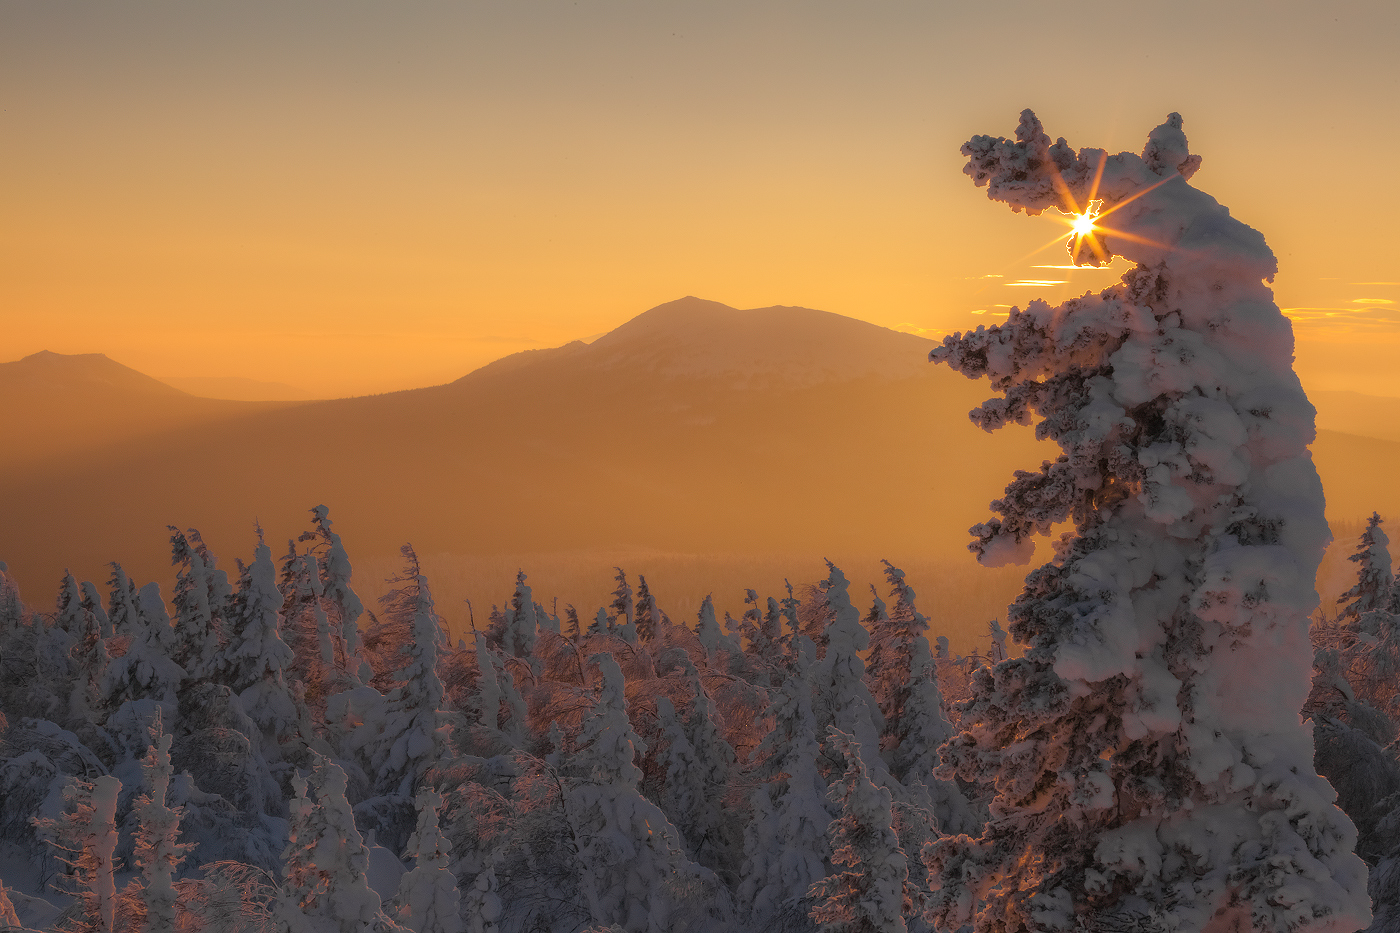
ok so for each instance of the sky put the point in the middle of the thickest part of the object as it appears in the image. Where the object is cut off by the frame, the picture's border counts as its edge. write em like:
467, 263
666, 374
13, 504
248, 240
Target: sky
355, 197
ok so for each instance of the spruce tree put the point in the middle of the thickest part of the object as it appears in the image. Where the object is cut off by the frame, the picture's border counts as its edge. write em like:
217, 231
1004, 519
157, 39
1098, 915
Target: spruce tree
785, 844
324, 886
158, 850
410, 742
840, 697
428, 900
1375, 578
871, 895
1148, 757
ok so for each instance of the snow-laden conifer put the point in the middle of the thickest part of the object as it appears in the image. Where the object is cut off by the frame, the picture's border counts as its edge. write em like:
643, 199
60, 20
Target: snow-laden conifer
631, 855
1150, 764
1375, 579
870, 895
840, 697
488, 688
921, 729
198, 614
483, 904
410, 741
147, 669
324, 884
622, 610
428, 900
122, 602
92, 603
158, 850
257, 659
521, 624
85, 834
785, 844
90, 658
345, 602
648, 615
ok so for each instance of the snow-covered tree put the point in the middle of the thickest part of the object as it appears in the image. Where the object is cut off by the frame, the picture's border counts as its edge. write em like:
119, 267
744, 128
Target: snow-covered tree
648, 615
344, 601
483, 904
521, 625
257, 659
631, 855
122, 602
1148, 757
428, 900
785, 844
147, 669
840, 697
870, 895
89, 662
1375, 578
85, 834
325, 888
622, 611
410, 742
201, 591
158, 851
922, 727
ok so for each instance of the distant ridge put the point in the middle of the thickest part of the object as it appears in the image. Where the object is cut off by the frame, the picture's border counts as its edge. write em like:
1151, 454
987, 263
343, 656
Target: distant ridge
60, 405
45, 373
694, 428
695, 338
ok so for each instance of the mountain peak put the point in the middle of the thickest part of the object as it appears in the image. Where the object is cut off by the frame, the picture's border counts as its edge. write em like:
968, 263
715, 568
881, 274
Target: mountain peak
47, 372
695, 337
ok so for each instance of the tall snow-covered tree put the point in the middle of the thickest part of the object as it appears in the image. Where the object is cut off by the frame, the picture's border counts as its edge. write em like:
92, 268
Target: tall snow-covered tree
1375, 579
840, 697
870, 895
633, 863
122, 602
158, 850
147, 670
648, 615
785, 844
201, 591
1150, 764
428, 900
622, 610
522, 627
410, 742
344, 601
257, 659
85, 834
325, 887
920, 730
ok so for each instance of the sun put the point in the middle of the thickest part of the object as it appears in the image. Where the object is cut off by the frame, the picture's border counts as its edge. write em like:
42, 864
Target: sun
1083, 224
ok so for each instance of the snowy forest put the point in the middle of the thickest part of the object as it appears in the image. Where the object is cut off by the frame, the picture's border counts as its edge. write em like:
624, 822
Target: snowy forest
259, 750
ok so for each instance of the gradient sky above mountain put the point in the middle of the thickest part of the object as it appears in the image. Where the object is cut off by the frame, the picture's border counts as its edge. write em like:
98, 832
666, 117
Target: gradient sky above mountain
357, 197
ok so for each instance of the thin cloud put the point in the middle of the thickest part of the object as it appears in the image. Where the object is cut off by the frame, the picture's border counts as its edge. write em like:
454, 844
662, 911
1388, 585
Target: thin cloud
1036, 283
1372, 301
1079, 268
1368, 318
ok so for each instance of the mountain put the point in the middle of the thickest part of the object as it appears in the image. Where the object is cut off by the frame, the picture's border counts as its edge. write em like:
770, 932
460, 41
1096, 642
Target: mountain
63, 406
238, 388
693, 429
1375, 416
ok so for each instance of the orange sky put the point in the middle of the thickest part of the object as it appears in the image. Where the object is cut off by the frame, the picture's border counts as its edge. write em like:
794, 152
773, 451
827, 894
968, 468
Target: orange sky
354, 197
